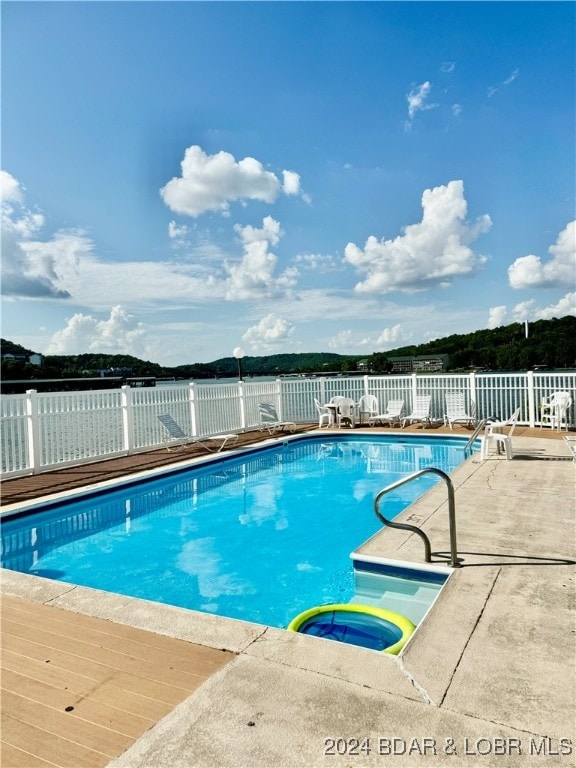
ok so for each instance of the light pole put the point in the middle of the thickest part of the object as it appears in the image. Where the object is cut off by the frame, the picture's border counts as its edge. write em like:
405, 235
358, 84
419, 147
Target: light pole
238, 353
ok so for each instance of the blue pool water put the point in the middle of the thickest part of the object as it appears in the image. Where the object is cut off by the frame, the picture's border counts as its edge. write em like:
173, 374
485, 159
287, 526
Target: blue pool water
260, 536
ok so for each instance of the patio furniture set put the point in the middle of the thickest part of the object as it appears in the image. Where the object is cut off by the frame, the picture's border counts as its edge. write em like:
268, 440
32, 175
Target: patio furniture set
345, 412
342, 411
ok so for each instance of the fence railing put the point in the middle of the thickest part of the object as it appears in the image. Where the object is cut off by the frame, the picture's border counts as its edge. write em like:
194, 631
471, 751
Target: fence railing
40, 431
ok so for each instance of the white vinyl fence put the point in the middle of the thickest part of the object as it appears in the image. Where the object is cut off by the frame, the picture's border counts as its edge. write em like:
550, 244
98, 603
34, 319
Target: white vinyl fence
40, 431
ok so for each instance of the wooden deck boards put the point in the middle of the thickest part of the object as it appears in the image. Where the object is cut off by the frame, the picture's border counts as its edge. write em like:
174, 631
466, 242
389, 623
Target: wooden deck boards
78, 691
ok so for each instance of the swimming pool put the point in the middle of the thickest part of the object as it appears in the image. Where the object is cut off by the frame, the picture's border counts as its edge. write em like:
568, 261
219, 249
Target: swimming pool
260, 535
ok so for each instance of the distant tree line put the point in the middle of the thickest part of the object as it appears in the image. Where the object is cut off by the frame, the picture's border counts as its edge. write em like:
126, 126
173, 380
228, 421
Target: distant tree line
551, 344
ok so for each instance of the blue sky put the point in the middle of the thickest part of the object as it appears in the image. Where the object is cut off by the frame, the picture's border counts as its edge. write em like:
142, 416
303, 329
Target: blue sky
181, 178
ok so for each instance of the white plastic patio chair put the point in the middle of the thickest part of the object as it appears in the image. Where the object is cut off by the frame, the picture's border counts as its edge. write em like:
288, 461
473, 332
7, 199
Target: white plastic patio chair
346, 412
333, 406
554, 410
494, 433
269, 419
324, 414
420, 411
178, 435
367, 407
391, 415
456, 410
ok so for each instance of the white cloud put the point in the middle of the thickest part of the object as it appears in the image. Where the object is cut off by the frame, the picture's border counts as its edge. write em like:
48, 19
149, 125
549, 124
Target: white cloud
30, 267
523, 311
291, 185
121, 333
431, 253
10, 189
317, 262
254, 277
527, 310
342, 340
448, 66
271, 231
565, 306
493, 89
496, 316
175, 232
417, 99
65, 266
417, 102
212, 182
531, 272
390, 336
269, 333
387, 339
512, 77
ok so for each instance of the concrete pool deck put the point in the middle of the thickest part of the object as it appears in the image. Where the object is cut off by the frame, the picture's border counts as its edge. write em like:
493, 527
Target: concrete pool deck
488, 679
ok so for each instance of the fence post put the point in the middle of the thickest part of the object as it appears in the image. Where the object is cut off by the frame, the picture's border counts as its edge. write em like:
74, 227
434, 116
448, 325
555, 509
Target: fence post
33, 430
127, 418
531, 399
322, 394
193, 405
473, 401
366, 388
414, 388
242, 405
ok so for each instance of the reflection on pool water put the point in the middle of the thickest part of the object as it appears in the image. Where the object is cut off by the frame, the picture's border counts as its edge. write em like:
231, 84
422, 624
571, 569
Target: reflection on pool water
259, 536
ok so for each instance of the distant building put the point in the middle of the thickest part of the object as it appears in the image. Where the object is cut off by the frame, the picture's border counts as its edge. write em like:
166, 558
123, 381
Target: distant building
362, 365
106, 372
34, 358
419, 363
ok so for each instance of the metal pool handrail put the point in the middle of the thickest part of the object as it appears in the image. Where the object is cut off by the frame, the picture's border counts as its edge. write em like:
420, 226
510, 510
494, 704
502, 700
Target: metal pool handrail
479, 427
454, 559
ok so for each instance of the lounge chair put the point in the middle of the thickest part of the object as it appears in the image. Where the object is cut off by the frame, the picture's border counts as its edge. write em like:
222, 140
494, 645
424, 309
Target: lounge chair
269, 419
391, 415
494, 433
420, 411
177, 434
367, 407
456, 411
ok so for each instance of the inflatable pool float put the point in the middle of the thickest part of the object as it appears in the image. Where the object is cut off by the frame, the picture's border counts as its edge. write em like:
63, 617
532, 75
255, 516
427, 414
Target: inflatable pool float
363, 625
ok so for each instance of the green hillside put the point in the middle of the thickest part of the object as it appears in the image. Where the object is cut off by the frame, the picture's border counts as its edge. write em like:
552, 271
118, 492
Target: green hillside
551, 343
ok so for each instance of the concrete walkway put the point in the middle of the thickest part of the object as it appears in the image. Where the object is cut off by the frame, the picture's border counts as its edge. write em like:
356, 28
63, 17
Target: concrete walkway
487, 680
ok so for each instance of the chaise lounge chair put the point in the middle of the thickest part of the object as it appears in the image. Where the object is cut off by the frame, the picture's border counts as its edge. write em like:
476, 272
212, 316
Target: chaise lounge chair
177, 434
420, 411
269, 419
391, 415
456, 410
